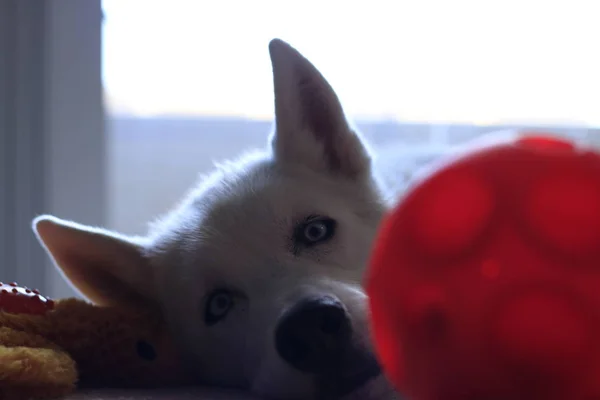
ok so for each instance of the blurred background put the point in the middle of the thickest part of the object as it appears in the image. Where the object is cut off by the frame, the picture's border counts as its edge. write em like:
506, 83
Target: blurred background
110, 109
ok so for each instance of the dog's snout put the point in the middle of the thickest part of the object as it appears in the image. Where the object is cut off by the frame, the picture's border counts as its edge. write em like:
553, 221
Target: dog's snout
312, 335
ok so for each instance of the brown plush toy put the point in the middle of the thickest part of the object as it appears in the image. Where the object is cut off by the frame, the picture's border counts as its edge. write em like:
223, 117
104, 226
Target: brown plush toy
48, 348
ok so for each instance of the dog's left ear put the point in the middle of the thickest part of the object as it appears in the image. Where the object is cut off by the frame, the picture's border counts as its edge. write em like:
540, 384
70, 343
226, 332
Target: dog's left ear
310, 125
107, 268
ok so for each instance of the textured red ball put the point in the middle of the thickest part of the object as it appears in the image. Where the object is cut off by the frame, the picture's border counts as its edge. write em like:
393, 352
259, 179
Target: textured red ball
484, 280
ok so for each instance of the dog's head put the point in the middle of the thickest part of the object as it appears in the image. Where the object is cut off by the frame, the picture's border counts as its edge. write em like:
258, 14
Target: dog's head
259, 269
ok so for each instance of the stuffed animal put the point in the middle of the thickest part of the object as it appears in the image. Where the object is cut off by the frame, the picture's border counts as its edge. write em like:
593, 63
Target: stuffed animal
484, 279
48, 348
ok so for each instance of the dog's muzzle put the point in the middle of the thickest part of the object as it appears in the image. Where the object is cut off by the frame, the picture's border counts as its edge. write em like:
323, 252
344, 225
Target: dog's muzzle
315, 336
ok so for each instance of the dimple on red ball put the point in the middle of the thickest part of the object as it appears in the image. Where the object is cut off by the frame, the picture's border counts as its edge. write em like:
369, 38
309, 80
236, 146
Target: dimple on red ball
484, 279
20, 300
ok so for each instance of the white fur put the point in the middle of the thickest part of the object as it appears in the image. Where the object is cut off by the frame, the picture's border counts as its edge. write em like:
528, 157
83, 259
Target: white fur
235, 230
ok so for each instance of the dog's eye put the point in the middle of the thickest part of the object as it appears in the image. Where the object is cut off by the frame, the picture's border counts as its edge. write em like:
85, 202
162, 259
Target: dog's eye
217, 306
315, 230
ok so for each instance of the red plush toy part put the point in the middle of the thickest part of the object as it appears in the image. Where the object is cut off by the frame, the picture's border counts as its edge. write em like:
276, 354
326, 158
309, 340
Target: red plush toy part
21, 300
485, 279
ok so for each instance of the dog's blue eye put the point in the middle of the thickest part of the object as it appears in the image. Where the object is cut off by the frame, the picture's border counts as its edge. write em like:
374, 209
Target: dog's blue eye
316, 230
217, 306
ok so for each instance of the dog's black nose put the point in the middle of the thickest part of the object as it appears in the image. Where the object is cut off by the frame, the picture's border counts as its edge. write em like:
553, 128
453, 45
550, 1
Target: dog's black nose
313, 334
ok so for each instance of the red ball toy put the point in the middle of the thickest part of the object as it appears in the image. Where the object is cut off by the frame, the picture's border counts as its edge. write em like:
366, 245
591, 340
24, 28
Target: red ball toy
484, 283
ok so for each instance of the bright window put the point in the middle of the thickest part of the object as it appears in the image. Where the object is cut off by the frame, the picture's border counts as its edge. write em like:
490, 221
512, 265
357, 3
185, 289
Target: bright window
188, 82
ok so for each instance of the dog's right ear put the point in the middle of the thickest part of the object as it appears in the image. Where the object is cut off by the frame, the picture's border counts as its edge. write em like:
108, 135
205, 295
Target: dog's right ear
310, 126
107, 268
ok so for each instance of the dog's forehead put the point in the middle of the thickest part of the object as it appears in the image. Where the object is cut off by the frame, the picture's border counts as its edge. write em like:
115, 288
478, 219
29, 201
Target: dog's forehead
244, 215
248, 212
265, 194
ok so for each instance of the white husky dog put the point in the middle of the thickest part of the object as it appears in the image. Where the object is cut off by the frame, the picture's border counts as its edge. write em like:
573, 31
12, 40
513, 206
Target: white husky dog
259, 269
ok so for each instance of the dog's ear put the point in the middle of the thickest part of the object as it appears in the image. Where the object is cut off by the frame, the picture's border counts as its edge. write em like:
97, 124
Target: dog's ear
310, 125
107, 268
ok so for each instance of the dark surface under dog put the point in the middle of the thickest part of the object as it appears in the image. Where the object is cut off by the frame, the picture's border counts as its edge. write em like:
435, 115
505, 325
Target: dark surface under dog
160, 394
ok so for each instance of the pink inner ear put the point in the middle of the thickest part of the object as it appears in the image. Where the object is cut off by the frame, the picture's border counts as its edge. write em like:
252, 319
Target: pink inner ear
316, 107
319, 117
